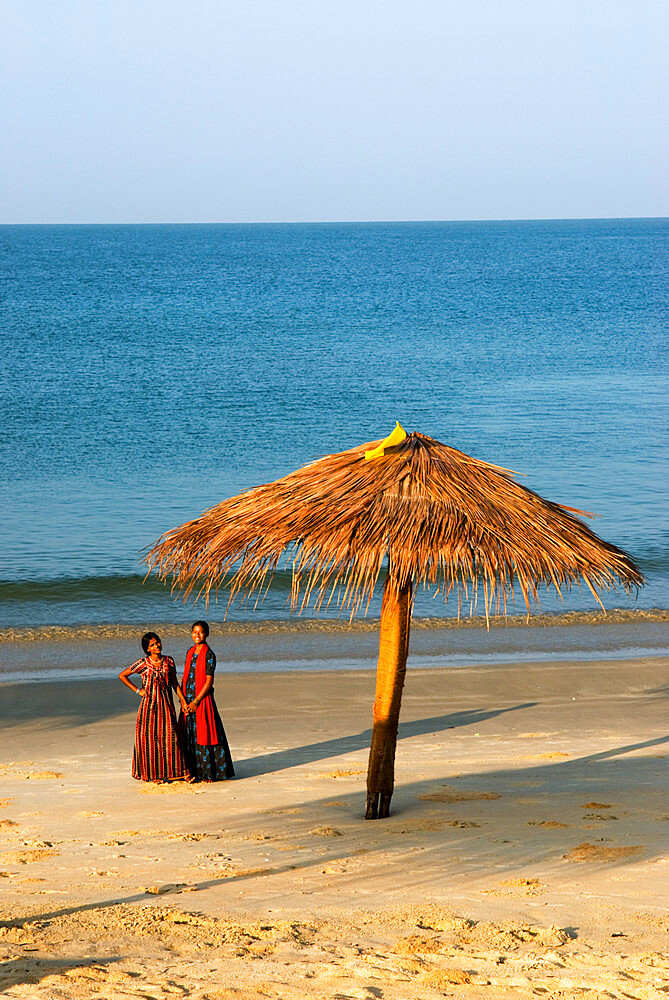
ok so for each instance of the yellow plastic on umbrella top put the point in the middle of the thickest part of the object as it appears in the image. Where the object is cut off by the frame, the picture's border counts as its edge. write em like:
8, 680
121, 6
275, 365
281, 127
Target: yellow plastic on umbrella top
395, 437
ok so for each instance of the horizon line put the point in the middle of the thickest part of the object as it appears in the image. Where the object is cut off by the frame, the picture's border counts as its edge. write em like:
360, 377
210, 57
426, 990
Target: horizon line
348, 222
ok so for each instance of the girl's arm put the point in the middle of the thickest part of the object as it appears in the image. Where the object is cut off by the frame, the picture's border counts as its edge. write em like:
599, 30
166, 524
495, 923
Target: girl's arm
125, 674
204, 690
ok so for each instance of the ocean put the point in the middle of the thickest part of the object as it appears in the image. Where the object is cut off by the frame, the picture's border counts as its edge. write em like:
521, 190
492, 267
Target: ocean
151, 371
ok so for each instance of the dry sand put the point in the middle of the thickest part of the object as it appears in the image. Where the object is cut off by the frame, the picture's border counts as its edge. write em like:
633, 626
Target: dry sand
526, 854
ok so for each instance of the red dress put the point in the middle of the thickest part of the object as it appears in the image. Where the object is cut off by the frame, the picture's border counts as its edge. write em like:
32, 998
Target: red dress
158, 755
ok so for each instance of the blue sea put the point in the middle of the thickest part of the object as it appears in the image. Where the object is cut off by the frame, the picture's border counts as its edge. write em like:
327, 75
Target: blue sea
151, 371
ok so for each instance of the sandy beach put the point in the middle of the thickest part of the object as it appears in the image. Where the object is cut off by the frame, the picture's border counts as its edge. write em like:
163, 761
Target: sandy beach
526, 854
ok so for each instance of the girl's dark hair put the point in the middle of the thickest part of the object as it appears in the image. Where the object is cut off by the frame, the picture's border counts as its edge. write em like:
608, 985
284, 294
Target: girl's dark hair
203, 625
146, 639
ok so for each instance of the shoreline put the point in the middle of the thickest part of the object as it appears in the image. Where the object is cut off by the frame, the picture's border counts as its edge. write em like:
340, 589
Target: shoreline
526, 847
110, 630
309, 646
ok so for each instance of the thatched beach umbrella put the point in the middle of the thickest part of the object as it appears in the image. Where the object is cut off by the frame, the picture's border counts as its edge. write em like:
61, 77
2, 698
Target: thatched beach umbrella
436, 515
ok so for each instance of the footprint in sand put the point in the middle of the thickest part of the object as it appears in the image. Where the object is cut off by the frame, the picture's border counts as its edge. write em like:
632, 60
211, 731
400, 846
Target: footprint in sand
14, 765
325, 831
27, 857
416, 826
548, 824
7, 824
417, 944
340, 774
431, 825
599, 816
592, 852
195, 835
169, 788
441, 979
454, 795
596, 805
517, 887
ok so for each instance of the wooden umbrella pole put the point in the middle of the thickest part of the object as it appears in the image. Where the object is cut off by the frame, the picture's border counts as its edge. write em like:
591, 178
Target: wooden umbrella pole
390, 671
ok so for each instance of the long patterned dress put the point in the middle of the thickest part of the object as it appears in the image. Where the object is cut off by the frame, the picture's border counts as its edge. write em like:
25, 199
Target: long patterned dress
158, 754
208, 762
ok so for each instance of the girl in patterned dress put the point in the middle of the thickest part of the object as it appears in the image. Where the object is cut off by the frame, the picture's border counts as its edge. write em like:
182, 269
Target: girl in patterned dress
158, 754
205, 744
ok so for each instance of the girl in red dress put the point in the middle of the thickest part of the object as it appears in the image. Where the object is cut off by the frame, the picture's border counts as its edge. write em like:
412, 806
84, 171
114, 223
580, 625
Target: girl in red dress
158, 755
204, 741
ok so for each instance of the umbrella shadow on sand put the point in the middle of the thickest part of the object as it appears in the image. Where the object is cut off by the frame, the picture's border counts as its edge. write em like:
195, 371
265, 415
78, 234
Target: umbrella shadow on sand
482, 851
311, 752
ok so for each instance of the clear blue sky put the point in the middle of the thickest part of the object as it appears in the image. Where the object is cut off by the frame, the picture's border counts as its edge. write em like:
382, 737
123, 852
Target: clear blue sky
279, 110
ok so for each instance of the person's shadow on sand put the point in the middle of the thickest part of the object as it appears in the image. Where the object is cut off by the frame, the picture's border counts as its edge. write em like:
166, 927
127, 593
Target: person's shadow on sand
312, 752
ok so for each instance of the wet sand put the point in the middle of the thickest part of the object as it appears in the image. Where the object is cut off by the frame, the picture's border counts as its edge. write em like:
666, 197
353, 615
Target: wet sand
54, 652
526, 855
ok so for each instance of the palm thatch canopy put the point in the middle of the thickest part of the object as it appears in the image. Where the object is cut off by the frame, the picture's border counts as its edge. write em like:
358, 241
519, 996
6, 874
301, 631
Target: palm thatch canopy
440, 517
